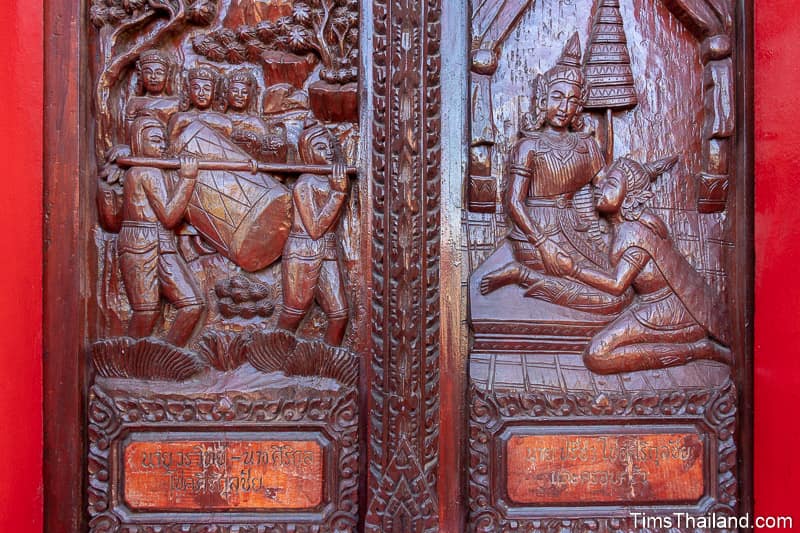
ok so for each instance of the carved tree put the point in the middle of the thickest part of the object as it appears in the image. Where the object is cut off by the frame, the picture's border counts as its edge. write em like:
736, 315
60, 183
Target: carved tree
327, 28
126, 29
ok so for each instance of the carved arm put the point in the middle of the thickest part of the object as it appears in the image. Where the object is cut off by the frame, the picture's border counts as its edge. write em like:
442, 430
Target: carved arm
517, 193
317, 209
632, 262
170, 211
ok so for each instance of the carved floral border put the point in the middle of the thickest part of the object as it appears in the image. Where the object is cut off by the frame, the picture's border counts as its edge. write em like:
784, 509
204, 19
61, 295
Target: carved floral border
490, 412
406, 156
112, 414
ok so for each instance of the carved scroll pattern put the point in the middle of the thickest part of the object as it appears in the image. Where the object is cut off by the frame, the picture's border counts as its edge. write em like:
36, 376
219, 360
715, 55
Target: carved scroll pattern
491, 412
111, 415
404, 410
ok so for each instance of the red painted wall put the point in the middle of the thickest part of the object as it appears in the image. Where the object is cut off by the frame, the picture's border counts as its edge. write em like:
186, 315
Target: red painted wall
20, 268
777, 319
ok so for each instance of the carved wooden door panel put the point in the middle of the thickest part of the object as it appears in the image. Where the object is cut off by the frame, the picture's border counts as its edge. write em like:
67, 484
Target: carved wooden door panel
605, 253
397, 265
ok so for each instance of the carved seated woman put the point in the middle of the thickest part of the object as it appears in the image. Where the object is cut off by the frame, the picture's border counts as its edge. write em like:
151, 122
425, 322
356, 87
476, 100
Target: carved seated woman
549, 198
676, 317
262, 141
200, 90
154, 88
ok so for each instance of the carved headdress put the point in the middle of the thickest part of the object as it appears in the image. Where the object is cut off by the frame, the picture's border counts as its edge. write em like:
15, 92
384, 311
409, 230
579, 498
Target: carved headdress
638, 177
311, 131
242, 75
155, 56
138, 129
203, 72
567, 69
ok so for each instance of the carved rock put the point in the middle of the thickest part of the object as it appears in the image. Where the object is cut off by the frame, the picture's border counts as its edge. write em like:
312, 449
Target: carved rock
240, 296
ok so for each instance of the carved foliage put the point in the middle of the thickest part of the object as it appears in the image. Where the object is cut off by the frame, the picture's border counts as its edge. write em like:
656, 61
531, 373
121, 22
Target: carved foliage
405, 382
281, 351
113, 414
491, 412
328, 28
124, 357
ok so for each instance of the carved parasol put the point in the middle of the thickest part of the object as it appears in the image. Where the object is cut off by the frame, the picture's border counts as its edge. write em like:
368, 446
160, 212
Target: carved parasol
608, 68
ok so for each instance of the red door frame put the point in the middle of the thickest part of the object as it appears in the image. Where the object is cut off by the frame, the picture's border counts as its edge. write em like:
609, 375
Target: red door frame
777, 319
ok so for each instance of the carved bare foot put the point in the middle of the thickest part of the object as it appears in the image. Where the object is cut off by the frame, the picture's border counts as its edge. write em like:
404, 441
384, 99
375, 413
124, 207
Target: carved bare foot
708, 349
721, 354
508, 274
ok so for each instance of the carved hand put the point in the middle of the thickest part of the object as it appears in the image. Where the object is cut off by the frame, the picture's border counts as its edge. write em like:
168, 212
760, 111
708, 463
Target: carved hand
110, 171
246, 138
272, 143
555, 259
189, 167
338, 179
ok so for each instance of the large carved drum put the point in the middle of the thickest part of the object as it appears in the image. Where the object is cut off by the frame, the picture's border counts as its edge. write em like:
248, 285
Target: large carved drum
245, 216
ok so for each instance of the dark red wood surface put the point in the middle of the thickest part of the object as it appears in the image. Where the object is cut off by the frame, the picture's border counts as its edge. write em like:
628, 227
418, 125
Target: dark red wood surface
777, 357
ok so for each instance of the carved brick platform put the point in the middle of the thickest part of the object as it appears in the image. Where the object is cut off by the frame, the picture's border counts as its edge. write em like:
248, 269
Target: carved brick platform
528, 325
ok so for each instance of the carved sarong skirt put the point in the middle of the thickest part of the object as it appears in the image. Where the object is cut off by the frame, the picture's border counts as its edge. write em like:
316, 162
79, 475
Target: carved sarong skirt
151, 267
662, 310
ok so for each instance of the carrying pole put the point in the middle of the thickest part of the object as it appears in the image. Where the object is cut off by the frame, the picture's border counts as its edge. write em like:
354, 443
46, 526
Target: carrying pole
233, 166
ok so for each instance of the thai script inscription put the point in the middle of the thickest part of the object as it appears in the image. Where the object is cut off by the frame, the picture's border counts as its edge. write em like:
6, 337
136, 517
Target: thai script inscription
605, 468
223, 475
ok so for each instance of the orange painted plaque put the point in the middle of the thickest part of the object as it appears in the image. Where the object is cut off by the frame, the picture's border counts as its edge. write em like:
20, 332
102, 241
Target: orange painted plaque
605, 469
183, 475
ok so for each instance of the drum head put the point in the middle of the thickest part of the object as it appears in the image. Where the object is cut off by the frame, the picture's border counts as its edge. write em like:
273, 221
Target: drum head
244, 216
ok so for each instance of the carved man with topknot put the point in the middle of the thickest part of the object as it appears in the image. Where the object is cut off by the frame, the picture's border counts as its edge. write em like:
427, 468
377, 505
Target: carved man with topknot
310, 266
148, 256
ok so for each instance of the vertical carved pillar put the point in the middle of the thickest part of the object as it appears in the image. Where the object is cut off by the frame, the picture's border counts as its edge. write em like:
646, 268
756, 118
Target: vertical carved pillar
720, 124
404, 403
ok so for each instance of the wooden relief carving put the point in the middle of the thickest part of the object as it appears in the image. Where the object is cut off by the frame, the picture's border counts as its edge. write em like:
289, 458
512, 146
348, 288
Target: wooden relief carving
404, 413
228, 323
599, 283
258, 227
